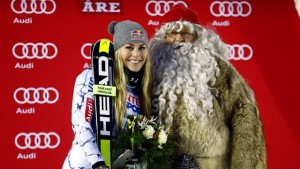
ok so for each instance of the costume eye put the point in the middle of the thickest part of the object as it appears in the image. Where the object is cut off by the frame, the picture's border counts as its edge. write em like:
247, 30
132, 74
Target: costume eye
173, 34
186, 34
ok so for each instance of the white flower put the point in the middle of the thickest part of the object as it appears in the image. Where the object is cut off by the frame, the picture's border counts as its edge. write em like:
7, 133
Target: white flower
145, 122
162, 137
148, 132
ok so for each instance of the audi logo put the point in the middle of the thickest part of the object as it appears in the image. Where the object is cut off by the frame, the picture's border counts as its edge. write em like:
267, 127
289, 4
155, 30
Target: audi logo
33, 6
36, 95
34, 140
230, 8
31, 50
159, 8
240, 52
86, 48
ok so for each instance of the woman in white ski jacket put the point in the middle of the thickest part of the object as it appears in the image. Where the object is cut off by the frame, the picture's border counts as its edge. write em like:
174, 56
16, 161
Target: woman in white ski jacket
132, 79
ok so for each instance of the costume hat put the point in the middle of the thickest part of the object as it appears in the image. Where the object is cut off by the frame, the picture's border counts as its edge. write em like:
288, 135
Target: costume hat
180, 12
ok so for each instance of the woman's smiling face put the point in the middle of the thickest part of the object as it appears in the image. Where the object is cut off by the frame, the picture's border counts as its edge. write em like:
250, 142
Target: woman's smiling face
134, 55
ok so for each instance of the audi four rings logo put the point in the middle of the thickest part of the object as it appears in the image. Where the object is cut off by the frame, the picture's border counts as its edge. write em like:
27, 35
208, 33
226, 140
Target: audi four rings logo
86, 48
240, 52
36, 95
34, 140
159, 8
31, 50
230, 8
33, 6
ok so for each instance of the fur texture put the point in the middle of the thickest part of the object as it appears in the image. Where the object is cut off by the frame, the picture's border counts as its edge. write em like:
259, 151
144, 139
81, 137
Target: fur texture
208, 106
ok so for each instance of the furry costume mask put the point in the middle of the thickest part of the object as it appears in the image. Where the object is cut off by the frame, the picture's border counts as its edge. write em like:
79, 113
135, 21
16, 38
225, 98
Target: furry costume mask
187, 69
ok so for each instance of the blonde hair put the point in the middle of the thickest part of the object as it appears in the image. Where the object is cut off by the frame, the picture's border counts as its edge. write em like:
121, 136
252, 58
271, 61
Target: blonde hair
120, 80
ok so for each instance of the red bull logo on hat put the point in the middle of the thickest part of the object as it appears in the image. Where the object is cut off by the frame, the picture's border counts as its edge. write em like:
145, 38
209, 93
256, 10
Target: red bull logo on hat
137, 35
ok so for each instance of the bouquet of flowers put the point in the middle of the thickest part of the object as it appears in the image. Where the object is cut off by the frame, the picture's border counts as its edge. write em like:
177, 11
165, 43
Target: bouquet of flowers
149, 142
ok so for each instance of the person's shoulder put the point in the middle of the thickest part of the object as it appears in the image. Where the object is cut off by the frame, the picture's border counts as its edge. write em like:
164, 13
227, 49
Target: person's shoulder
226, 70
87, 72
222, 61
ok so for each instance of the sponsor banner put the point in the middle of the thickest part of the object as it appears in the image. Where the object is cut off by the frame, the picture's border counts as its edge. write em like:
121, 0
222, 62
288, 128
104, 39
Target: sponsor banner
39, 95
41, 140
33, 6
45, 44
230, 8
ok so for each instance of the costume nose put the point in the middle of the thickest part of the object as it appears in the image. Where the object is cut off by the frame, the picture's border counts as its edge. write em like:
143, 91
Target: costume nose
179, 38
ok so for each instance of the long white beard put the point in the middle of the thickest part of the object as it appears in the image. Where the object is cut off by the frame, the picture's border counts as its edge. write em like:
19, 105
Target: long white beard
184, 69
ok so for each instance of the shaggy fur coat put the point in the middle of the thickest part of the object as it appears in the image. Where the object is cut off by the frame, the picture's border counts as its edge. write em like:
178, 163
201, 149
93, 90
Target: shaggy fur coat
233, 136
